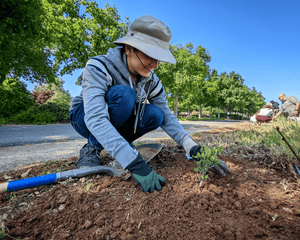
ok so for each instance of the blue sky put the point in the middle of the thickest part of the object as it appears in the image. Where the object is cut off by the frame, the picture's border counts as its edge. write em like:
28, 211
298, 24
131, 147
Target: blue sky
258, 39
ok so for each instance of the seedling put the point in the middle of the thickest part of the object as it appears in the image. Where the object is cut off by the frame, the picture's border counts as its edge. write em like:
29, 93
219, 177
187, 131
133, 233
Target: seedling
2, 232
275, 216
11, 196
49, 163
206, 160
89, 184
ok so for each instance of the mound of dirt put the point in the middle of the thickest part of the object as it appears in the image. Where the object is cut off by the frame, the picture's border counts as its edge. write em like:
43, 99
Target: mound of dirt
258, 200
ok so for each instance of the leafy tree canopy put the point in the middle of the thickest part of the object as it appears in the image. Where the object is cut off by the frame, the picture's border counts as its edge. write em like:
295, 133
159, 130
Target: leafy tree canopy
41, 39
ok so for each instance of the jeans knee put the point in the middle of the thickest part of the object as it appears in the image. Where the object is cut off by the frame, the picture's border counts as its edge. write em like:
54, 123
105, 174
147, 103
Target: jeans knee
157, 116
121, 94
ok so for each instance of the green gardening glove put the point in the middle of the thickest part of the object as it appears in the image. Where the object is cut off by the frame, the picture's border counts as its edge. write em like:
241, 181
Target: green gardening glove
222, 168
144, 176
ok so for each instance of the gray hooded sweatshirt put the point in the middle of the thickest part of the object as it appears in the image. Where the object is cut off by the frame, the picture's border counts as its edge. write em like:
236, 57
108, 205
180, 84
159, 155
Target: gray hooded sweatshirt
104, 71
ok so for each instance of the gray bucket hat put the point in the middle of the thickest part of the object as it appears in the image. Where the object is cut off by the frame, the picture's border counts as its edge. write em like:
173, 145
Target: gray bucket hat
151, 36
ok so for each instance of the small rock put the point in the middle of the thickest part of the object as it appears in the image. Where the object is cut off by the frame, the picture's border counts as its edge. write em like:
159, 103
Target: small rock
240, 234
64, 235
117, 224
238, 205
7, 177
98, 231
25, 174
218, 230
114, 235
228, 234
61, 207
4, 216
82, 179
214, 189
97, 205
254, 210
288, 210
241, 194
54, 210
88, 224
273, 204
212, 204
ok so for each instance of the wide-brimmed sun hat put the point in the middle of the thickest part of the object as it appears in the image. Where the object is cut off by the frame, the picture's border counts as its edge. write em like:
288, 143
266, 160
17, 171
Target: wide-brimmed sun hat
151, 36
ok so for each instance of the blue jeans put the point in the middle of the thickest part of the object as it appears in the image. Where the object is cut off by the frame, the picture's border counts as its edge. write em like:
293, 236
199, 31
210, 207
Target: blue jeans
121, 102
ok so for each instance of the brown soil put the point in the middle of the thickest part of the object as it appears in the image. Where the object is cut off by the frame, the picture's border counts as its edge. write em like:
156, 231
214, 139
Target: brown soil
259, 200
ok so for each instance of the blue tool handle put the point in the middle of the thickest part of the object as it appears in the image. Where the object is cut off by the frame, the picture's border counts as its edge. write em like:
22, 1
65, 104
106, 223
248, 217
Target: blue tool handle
297, 169
31, 182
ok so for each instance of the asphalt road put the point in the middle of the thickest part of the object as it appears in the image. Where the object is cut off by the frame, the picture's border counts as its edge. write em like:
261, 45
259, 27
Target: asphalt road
21, 145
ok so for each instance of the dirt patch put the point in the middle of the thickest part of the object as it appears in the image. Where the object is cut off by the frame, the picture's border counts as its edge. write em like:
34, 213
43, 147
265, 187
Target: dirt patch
259, 200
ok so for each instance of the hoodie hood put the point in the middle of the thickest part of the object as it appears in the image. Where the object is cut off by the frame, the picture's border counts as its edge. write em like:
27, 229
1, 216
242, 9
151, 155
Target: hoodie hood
118, 61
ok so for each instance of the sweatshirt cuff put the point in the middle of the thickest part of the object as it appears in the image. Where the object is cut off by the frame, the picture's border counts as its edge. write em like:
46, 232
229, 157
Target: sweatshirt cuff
188, 143
126, 156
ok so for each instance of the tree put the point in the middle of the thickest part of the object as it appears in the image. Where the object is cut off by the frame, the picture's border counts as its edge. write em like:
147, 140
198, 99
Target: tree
23, 41
13, 97
41, 39
79, 38
197, 91
184, 79
213, 96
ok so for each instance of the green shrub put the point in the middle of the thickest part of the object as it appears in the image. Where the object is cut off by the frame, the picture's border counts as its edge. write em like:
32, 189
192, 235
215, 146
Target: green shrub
33, 116
2, 121
13, 97
222, 115
235, 116
59, 110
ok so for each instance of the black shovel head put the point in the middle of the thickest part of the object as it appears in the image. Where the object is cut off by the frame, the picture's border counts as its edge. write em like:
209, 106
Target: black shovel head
149, 150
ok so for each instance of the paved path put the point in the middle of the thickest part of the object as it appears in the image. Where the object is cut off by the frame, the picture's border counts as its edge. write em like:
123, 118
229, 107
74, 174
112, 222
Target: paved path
26, 144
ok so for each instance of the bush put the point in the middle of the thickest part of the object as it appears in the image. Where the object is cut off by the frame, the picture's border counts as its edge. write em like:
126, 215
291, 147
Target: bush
59, 110
33, 116
13, 97
2, 121
222, 115
236, 116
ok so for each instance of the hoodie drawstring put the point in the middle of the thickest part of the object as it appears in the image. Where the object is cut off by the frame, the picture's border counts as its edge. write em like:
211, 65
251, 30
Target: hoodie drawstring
139, 115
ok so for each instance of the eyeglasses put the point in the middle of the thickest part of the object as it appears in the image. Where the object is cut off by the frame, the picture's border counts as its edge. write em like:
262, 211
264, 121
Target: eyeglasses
152, 60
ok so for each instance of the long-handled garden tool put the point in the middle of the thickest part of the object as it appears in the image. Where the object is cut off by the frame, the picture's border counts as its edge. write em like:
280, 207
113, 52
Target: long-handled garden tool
147, 151
283, 138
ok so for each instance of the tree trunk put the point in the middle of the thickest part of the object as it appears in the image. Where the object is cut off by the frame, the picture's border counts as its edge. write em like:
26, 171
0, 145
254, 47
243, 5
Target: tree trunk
219, 112
200, 111
176, 106
189, 111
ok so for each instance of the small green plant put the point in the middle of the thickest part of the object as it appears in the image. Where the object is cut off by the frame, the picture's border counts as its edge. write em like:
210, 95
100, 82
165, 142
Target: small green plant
49, 163
275, 216
2, 232
11, 195
206, 160
89, 184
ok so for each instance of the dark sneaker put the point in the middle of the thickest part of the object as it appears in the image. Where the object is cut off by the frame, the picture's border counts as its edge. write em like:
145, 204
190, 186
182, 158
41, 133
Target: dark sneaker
132, 145
89, 157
